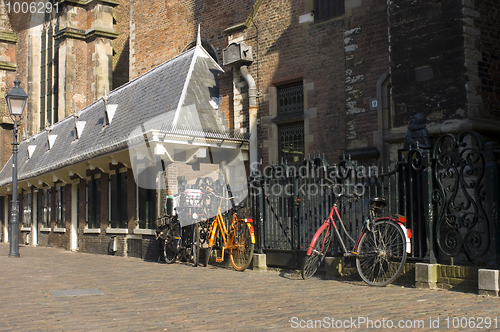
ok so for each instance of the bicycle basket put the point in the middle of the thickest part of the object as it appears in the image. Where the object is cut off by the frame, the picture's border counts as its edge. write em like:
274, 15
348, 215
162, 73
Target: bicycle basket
192, 198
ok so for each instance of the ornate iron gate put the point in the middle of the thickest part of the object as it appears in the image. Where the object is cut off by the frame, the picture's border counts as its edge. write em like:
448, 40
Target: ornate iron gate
466, 199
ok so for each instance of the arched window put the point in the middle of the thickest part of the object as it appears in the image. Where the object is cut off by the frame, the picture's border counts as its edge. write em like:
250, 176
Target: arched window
49, 71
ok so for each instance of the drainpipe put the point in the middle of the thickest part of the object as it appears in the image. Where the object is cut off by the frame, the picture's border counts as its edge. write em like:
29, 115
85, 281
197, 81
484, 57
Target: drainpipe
252, 113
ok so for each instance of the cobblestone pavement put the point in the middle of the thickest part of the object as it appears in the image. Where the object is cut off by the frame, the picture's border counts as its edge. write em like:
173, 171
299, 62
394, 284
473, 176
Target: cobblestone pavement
136, 296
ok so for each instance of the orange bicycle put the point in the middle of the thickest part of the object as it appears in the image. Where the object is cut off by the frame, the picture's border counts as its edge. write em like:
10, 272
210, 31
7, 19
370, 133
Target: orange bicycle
239, 240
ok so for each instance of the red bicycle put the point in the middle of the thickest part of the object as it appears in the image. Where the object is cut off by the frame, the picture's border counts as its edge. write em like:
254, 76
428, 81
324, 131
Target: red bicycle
380, 250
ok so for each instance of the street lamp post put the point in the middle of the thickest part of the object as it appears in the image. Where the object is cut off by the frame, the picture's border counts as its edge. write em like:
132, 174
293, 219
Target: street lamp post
16, 100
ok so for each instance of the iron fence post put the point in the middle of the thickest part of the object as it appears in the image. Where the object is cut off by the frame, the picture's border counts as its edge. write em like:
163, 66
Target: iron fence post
262, 218
427, 180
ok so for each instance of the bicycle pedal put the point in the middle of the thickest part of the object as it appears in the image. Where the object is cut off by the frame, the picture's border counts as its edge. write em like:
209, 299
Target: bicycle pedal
350, 254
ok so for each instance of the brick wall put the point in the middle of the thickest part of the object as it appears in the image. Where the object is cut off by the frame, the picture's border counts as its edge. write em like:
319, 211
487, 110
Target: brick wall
427, 59
163, 29
341, 83
121, 45
312, 53
366, 48
489, 63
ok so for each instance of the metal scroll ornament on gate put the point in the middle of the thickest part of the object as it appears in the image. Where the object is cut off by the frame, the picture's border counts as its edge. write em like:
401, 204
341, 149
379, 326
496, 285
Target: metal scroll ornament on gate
462, 223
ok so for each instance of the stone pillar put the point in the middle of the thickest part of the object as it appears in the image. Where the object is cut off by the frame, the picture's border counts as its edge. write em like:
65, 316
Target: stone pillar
85, 53
426, 275
333, 267
488, 282
104, 201
74, 216
259, 262
131, 201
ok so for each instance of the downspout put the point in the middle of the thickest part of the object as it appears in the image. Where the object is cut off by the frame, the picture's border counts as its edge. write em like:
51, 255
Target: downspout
252, 117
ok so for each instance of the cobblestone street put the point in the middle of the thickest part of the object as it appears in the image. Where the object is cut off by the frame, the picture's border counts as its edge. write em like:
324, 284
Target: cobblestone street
134, 295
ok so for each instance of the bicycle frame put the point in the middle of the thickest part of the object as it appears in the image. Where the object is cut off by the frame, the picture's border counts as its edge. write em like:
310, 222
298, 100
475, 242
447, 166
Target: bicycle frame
327, 224
380, 250
400, 220
227, 237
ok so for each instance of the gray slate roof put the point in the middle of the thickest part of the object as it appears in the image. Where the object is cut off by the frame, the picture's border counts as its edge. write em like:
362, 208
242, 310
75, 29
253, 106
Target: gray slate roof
171, 98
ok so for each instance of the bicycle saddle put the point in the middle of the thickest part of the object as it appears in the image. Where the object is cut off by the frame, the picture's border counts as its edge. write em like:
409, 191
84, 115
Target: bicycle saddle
378, 202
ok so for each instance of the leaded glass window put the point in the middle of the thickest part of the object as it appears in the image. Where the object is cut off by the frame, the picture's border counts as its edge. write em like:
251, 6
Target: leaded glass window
49, 71
291, 143
291, 98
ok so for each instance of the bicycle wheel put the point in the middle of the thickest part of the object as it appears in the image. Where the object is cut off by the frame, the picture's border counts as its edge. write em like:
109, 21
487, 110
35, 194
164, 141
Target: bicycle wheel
241, 252
169, 250
381, 253
320, 245
196, 244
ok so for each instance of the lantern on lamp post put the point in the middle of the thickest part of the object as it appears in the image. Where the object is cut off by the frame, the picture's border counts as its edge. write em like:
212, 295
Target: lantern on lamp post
16, 101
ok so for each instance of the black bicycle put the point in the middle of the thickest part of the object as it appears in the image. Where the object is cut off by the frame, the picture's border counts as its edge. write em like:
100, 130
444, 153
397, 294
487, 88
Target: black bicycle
178, 230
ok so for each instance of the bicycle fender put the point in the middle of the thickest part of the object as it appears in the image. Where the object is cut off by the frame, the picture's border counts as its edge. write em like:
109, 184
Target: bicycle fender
249, 222
315, 238
406, 231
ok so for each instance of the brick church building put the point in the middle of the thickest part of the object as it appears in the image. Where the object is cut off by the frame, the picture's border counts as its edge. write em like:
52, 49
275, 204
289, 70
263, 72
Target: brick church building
283, 80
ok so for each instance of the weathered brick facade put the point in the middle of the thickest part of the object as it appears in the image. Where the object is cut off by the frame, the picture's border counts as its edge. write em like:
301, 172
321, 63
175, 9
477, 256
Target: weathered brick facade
364, 72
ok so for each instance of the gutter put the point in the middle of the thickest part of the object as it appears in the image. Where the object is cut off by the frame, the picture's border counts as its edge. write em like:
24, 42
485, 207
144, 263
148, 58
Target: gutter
252, 114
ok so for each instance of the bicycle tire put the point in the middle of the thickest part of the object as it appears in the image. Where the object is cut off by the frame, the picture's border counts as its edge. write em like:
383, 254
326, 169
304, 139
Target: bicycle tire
381, 253
320, 245
168, 253
196, 244
241, 252
208, 251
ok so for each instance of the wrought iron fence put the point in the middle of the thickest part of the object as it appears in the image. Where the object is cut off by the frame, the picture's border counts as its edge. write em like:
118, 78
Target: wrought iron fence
450, 196
294, 201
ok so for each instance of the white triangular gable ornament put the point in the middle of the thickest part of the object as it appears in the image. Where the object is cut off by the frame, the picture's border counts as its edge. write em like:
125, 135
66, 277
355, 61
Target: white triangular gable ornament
31, 149
51, 140
110, 112
79, 126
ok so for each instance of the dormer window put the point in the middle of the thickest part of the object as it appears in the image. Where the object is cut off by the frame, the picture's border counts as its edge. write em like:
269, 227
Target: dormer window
109, 109
51, 139
31, 150
79, 126
110, 113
